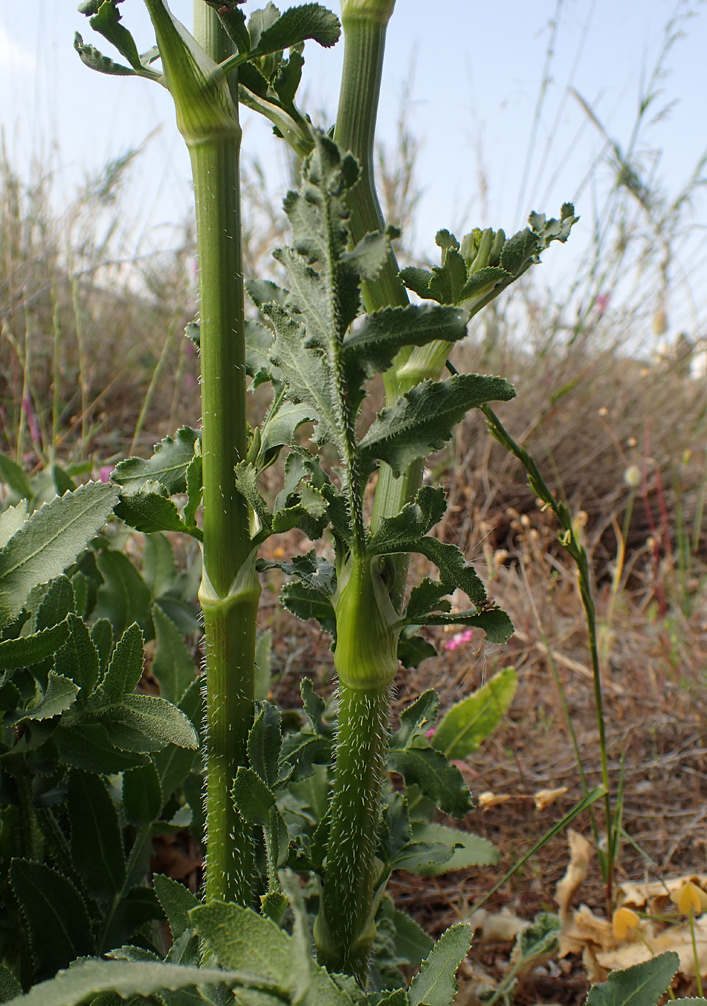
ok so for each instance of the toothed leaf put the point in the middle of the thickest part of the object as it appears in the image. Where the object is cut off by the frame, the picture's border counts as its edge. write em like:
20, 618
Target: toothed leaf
436, 983
49, 541
422, 420
297, 24
168, 465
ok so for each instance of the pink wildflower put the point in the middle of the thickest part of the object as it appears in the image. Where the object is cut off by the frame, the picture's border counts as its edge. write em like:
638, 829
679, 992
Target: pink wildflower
105, 472
458, 639
602, 302
32, 423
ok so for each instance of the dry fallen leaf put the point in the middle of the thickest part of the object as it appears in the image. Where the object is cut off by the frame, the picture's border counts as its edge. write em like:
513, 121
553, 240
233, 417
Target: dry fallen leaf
490, 799
580, 857
546, 797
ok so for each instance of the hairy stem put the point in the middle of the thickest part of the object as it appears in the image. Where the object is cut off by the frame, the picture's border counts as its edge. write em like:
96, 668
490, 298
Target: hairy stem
345, 929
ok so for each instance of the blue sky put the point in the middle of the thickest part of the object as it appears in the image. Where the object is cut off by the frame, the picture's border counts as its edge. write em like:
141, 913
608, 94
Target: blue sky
473, 74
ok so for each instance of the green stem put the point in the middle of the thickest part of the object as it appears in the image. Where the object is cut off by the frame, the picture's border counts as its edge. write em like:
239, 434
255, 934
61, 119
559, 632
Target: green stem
366, 660
208, 119
345, 928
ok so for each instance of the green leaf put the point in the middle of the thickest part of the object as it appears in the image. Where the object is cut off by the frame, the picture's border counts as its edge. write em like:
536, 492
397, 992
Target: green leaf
264, 743
174, 763
412, 943
396, 534
147, 723
279, 427
309, 21
56, 604
123, 597
158, 567
142, 795
411, 754
373, 345
442, 782
436, 984
11, 520
148, 510
414, 857
195, 483
168, 465
495, 622
246, 475
412, 650
96, 843
242, 939
397, 998
129, 978
422, 420
78, 658
95, 60
49, 541
55, 914
640, 985
473, 850
102, 639
260, 21
177, 901
89, 746
469, 722
125, 667
253, 798
59, 695
417, 280
14, 478
106, 21
9, 986
27, 650
172, 665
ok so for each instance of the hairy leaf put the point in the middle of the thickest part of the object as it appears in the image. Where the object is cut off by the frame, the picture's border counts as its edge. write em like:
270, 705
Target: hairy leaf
96, 843
177, 901
78, 658
55, 914
142, 795
148, 511
56, 604
436, 984
168, 465
27, 650
129, 978
240, 938
422, 420
90, 746
125, 667
49, 540
253, 798
309, 21
640, 985
373, 345
59, 695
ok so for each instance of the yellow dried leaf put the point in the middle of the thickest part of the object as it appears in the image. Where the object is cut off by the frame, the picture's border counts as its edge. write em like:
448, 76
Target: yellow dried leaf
624, 921
490, 799
546, 797
580, 856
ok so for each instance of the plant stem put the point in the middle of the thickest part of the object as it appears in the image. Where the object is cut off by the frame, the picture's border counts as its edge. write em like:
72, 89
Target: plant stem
230, 589
366, 660
345, 928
